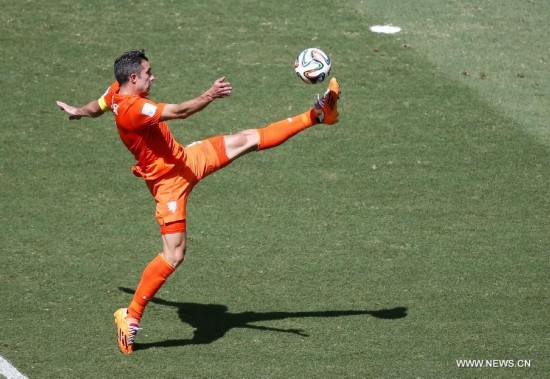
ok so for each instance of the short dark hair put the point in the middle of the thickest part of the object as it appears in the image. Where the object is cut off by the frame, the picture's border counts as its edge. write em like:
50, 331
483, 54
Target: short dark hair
129, 63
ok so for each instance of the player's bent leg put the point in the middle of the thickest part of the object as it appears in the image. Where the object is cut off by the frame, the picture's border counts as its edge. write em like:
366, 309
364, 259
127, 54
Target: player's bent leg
152, 279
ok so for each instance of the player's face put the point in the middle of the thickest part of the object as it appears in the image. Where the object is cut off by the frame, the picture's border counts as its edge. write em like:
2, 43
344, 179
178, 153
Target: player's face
145, 79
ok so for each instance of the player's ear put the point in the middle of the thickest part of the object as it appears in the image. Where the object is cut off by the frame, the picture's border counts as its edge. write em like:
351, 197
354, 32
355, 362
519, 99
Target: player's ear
133, 77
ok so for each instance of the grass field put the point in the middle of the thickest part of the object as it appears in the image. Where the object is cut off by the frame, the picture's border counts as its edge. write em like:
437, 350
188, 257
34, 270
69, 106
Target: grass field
413, 234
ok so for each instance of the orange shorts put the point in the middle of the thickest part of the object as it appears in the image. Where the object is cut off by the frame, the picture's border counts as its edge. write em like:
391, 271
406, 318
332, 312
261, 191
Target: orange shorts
172, 189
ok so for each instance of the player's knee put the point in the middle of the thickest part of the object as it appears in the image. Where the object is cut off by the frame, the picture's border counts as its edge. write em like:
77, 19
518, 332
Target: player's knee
247, 139
174, 248
175, 256
242, 142
179, 255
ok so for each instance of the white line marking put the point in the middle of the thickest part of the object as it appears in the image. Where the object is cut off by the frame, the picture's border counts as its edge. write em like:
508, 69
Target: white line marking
9, 371
385, 29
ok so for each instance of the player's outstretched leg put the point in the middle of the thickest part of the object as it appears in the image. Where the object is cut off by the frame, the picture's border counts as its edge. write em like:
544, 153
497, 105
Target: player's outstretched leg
328, 104
325, 111
126, 331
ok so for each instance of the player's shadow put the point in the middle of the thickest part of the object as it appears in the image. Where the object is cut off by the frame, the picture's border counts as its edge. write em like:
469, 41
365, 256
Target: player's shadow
212, 321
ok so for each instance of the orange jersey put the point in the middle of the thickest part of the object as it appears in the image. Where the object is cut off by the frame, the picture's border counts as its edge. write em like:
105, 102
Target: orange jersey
149, 139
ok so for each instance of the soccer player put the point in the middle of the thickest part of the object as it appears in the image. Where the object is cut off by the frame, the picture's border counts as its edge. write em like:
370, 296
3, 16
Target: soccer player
171, 170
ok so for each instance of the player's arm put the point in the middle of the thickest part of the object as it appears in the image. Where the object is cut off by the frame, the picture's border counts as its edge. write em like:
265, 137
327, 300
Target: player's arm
92, 109
219, 89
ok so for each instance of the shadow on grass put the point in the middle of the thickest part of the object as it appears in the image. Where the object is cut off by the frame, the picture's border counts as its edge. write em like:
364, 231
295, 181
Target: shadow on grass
212, 321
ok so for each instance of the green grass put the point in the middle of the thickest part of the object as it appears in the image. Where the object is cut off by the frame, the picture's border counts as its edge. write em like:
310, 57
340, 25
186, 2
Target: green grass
412, 234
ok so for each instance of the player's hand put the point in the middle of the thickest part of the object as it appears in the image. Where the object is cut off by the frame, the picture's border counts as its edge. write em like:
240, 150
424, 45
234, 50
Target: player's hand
69, 109
220, 88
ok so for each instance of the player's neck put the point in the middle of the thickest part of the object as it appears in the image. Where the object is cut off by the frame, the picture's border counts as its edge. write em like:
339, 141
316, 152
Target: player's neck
128, 89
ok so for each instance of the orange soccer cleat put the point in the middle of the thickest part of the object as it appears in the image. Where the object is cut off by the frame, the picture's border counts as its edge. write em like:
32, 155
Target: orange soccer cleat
329, 103
126, 331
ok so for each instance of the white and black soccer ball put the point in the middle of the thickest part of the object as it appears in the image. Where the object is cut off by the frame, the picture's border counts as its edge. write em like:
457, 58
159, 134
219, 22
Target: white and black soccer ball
313, 65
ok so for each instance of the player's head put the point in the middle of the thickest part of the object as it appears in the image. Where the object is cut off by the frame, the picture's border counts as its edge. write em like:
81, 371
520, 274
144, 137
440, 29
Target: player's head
129, 63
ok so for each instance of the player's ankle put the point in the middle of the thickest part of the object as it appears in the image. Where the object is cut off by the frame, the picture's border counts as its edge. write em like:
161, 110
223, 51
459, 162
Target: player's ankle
316, 115
132, 320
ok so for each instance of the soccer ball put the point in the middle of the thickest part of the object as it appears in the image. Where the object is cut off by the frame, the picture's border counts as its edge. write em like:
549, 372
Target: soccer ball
312, 65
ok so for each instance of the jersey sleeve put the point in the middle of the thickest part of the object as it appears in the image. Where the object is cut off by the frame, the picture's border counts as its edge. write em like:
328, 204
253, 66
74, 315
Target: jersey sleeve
106, 100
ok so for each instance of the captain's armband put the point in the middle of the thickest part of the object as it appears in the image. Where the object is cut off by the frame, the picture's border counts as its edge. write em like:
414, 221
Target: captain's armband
103, 104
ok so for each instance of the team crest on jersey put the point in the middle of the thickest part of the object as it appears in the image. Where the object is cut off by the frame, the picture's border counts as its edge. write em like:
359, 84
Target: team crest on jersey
172, 206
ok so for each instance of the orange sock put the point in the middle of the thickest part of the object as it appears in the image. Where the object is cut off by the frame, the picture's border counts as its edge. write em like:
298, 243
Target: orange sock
152, 279
278, 132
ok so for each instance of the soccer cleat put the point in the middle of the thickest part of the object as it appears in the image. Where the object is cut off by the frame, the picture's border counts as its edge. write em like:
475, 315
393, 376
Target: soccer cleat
329, 103
126, 331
